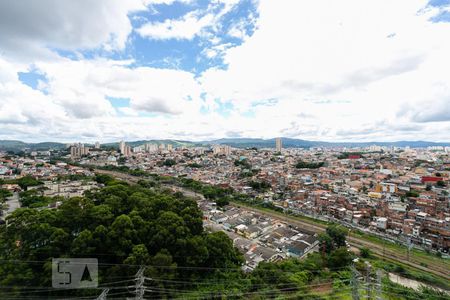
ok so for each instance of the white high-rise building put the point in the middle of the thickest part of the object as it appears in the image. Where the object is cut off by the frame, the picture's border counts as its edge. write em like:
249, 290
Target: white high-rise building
97, 145
122, 146
278, 144
169, 147
127, 151
151, 147
78, 150
222, 150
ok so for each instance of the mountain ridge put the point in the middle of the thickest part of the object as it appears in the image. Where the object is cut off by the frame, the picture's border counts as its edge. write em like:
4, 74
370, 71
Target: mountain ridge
16, 145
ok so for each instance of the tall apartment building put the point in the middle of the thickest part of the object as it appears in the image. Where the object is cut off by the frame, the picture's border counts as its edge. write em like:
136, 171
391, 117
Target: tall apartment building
122, 146
278, 144
151, 147
97, 145
127, 151
222, 150
78, 150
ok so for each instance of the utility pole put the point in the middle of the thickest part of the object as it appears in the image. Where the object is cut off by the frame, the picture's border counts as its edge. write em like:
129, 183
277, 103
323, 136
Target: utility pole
368, 285
140, 279
355, 283
378, 286
409, 246
103, 295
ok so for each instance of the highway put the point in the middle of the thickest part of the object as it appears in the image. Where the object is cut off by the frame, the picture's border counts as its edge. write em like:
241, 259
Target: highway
436, 267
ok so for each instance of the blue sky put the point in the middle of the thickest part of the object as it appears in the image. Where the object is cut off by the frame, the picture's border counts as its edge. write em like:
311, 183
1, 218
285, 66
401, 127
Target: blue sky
195, 69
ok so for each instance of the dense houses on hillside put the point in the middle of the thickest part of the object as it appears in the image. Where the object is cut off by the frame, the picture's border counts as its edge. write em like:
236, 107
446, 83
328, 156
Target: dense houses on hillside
398, 193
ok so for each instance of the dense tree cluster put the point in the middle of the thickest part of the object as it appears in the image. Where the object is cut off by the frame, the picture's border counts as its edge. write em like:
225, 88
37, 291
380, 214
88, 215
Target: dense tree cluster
259, 185
195, 165
33, 199
4, 194
167, 162
124, 226
27, 181
309, 165
243, 163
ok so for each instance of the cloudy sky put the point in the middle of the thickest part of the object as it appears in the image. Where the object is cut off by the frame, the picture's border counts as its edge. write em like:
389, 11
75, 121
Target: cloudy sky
348, 70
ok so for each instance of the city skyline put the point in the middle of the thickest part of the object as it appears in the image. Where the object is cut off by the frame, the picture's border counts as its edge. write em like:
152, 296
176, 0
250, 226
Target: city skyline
200, 70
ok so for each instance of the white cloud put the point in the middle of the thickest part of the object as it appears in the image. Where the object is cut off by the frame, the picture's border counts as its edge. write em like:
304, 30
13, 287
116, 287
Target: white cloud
340, 62
82, 87
190, 25
186, 28
28, 29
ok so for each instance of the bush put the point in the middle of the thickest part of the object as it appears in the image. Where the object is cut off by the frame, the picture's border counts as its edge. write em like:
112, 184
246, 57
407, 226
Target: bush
365, 252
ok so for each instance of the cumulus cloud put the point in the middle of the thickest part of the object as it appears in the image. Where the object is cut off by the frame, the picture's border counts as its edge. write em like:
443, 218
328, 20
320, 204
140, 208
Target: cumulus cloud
28, 29
348, 63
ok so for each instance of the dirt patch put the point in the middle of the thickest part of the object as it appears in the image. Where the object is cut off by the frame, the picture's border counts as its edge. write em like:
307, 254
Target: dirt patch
322, 288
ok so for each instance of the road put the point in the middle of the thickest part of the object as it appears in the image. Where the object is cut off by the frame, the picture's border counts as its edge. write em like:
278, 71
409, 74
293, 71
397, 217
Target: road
435, 267
13, 204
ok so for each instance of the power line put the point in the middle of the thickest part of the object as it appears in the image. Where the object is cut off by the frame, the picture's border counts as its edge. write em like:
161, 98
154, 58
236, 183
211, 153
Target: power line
103, 295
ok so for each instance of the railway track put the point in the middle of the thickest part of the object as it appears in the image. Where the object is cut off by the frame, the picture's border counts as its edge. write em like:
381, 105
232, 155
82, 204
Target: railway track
431, 267
435, 268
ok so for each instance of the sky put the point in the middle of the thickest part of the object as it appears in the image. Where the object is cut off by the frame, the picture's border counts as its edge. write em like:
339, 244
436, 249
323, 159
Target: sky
107, 70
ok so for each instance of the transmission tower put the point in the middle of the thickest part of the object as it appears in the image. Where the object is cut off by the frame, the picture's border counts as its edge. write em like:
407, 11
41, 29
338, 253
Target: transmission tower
378, 286
355, 283
409, 247
368, 284
102, 296
140, 288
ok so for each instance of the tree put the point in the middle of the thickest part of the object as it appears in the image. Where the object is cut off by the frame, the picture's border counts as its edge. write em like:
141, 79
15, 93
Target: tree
169, 162
308, 165
222, 254
4, 194
27, 181
83, 244
326, 243
339, 258
337, 234
221, 202
138, 256
123, 234
365, 252
103, 178
259, 185
440, 183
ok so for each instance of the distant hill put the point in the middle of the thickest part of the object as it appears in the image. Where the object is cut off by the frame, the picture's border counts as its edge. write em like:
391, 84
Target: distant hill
12, 145
298, 143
